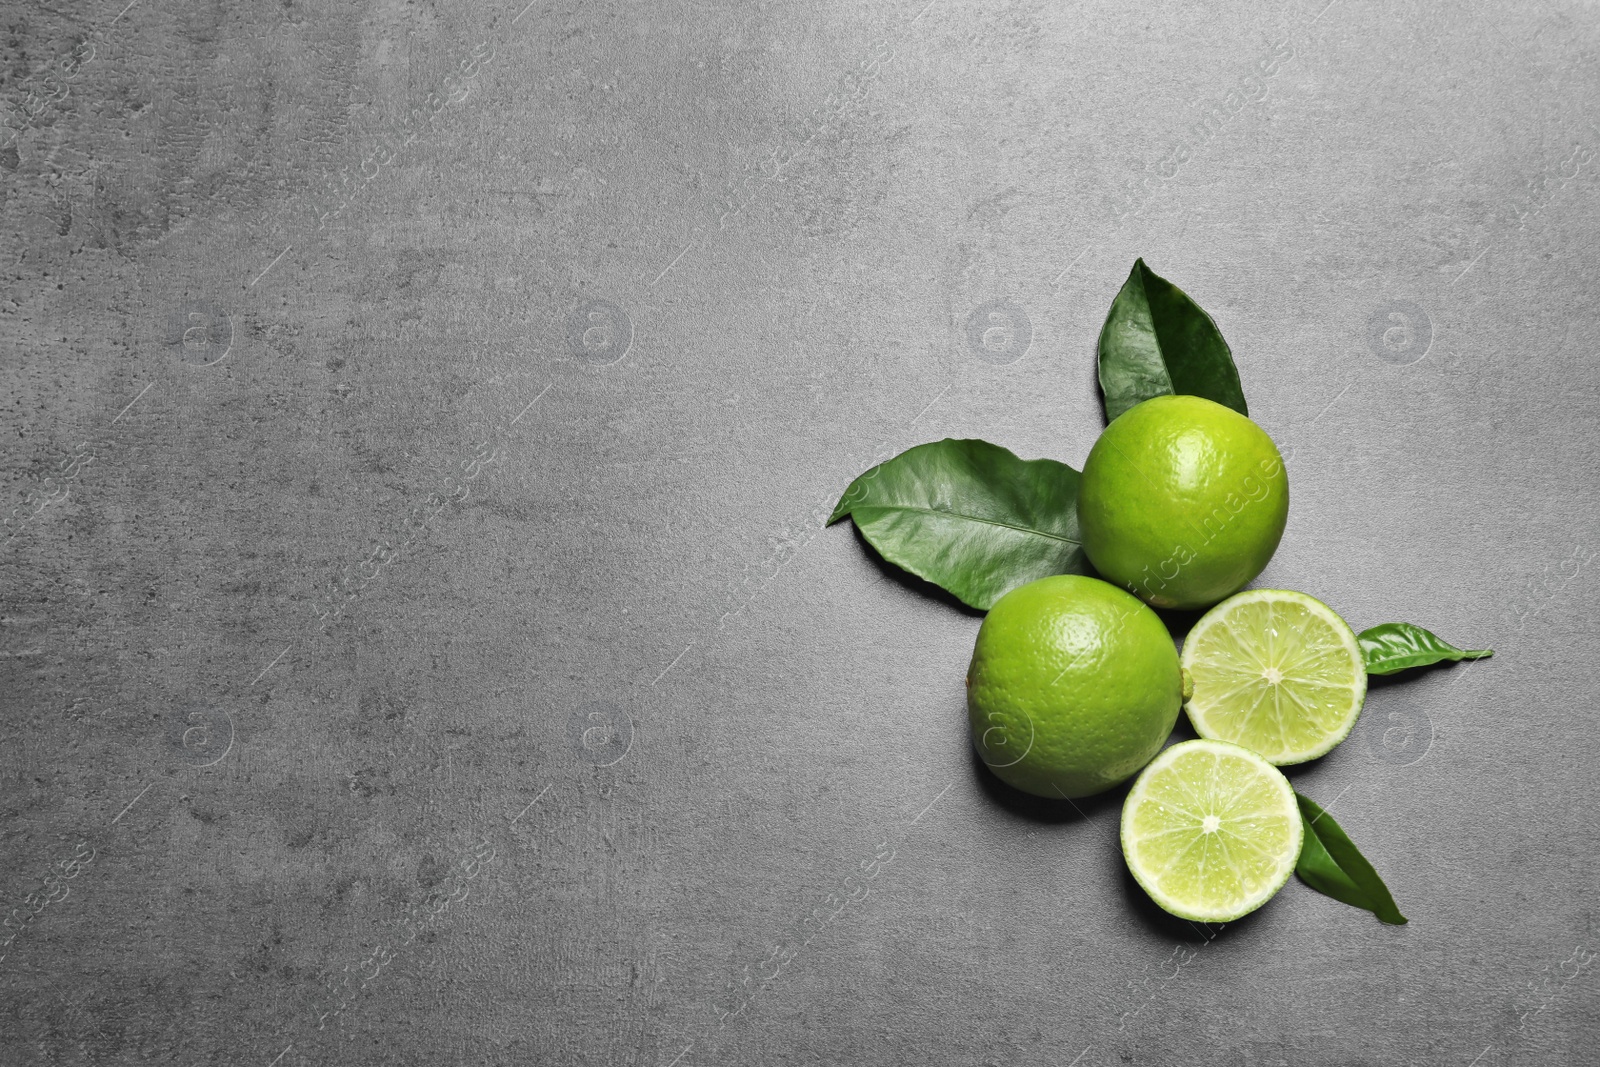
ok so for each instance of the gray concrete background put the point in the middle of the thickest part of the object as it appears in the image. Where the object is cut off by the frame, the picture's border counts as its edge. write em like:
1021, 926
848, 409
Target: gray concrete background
420, 644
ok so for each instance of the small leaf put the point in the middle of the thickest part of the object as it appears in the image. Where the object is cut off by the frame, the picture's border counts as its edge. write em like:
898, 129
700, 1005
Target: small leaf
970, 517
1331, 864
1398, 646
1157, 341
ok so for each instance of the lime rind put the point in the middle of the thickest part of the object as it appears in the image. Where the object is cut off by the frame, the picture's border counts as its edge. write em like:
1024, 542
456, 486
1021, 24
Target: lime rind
1211, 831
1276, 671
1073, 686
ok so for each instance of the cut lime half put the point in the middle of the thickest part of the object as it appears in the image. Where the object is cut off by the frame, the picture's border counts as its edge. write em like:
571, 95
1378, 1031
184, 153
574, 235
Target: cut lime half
1211, 830
1277, 672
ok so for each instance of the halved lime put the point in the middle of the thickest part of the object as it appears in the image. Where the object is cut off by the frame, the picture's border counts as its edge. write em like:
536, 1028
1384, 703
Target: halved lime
1211, 830
1277, 672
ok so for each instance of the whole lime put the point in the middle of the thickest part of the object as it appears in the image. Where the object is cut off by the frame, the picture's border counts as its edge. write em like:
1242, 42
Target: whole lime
1074, 686
1183, 501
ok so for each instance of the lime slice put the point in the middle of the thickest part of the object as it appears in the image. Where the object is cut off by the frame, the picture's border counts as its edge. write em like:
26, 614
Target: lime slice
1277, 672
1211, 830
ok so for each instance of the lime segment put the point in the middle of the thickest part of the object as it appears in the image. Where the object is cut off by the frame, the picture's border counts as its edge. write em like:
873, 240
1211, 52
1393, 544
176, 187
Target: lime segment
1210, 830
1277, 672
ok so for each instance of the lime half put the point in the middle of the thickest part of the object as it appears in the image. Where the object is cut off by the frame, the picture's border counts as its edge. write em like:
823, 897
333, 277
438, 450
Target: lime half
1277, 672
1211, 831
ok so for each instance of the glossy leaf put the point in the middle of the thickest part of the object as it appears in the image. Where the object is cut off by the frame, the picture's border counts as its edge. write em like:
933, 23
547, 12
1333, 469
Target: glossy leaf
1157, 341
970, 517
1399, 646
1331, 864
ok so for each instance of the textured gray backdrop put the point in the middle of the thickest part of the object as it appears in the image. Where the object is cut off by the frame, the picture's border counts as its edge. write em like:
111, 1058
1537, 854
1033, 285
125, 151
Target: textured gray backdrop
420, 642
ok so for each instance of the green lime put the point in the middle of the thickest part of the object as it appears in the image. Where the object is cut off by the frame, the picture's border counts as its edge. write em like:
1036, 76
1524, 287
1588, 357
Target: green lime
1211, 831
1182, 501
1073, 686
1277, 672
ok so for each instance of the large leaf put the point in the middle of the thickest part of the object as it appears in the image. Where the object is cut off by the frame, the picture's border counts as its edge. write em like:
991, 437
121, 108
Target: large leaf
1157, 341
970, 517
1330, 863
1398, 646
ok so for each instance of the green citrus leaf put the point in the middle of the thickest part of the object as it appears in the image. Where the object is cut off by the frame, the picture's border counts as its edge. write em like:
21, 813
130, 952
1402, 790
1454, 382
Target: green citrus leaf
970, 517
1157, 341
1331, 864
1398, 646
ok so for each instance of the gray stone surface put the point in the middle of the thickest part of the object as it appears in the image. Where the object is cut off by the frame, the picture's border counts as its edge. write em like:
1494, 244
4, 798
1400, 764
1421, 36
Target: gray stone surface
420, 644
